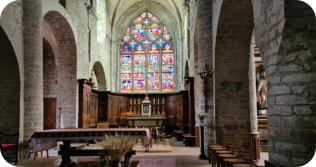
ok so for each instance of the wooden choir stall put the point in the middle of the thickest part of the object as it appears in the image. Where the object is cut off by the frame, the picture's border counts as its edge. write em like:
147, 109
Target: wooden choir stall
172, 111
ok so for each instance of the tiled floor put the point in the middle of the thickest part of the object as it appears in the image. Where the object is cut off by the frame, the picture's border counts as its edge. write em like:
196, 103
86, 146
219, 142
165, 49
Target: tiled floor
179, 157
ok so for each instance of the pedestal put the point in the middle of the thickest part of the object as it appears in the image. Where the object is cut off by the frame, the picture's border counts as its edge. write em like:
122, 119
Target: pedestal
202, 153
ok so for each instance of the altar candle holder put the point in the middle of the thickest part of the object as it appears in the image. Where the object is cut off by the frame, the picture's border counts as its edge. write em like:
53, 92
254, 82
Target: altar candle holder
158, 107
163, 106
130, 105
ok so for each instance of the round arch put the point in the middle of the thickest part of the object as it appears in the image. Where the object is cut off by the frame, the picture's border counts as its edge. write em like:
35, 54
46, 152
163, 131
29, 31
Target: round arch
100, 76
60, 37
286, 50
9, 87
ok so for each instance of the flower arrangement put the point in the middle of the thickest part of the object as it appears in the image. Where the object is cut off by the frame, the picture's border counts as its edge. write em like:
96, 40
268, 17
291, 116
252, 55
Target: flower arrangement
115, 147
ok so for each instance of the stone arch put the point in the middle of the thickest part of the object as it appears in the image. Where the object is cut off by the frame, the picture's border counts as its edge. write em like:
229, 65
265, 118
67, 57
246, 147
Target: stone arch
59, 35
166, 17
49, 70
9, 88
54, 6
100, 76
288, 52
231, 82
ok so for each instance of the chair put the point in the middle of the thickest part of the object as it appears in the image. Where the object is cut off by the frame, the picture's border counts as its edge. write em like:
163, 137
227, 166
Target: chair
9, 142
160, 135
35, 148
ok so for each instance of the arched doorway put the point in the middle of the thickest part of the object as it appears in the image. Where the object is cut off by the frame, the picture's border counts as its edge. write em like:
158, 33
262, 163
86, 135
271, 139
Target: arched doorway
9, 90
60, 68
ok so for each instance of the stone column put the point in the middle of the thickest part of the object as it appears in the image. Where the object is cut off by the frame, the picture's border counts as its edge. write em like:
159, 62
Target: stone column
33, 67
205, 63
252, 88
255, 143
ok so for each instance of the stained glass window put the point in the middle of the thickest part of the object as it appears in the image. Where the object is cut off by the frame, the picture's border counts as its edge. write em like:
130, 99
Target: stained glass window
147, 56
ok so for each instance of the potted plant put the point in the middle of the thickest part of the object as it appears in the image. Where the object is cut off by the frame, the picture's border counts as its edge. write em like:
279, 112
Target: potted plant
201, 117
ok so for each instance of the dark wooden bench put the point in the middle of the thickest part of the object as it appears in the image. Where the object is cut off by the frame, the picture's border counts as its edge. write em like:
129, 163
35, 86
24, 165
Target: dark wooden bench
66, 152
210, 147
189, 140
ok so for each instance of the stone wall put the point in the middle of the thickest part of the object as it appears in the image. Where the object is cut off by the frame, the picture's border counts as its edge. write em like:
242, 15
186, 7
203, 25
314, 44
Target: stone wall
288, 45
231, 69
12, 24
9, 87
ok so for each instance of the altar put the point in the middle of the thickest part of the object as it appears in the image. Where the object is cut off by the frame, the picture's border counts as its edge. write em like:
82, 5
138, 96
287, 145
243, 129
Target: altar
147, 118
145, 121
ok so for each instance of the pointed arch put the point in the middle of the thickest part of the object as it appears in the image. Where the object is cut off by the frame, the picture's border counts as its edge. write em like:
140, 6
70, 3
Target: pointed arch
147, 56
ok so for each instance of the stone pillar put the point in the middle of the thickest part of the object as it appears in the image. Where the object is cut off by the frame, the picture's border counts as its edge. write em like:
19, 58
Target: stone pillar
33, 67
255, 142
205, 63
252, 88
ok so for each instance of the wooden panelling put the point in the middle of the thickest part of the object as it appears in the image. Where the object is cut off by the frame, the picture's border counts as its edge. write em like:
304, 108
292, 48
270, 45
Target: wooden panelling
49, 113
88, 105
172, 105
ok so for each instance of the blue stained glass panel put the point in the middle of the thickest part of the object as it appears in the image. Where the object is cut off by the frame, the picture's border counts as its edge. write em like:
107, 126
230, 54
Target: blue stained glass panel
126, 59
167, 83
167, 47
154, 32
153, 74
125, 49
140, 49
167, 68
160, 42
133, 43
138, 32
153, 59
167, 75
153, 83
126, 84
139, 83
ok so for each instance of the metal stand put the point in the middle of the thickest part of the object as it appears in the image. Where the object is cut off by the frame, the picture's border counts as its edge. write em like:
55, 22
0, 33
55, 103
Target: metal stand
202, 154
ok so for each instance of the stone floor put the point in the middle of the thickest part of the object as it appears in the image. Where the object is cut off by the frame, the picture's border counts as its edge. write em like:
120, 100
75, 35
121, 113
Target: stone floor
180, 156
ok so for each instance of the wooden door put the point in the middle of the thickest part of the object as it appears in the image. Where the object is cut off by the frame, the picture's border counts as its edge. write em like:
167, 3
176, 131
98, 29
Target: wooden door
49, 113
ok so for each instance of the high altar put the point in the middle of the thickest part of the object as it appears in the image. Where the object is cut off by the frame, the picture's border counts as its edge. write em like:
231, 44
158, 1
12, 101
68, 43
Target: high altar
146, 118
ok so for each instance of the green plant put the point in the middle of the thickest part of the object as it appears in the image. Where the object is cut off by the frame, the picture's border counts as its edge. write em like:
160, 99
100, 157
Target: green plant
201, 117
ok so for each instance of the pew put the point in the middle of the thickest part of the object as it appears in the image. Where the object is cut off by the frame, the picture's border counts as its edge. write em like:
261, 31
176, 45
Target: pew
70, 135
